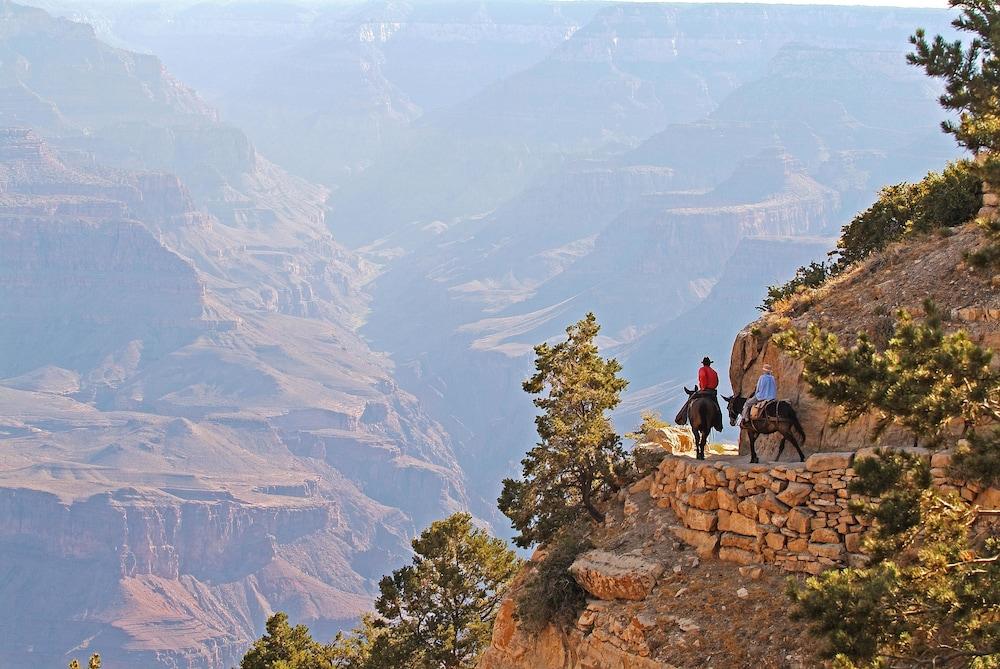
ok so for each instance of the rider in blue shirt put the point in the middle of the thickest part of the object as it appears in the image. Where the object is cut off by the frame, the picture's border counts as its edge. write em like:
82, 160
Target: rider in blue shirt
767, 389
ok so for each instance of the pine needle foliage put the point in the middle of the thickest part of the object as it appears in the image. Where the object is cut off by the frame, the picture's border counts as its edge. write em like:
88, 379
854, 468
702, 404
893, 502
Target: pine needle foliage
579, 459
930, 594
442, 606
970, 72
924, 380
436, 612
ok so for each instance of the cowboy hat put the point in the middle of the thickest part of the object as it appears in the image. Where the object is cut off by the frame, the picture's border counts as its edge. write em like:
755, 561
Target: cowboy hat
767, 367
706, 360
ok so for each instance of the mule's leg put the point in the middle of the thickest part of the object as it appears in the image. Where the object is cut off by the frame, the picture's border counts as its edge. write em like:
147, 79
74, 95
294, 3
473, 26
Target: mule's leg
699, 442
795, 443
753, 447
781, 448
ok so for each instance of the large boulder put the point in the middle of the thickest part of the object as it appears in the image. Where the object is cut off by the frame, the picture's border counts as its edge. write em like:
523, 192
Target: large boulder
673, 438
608, 576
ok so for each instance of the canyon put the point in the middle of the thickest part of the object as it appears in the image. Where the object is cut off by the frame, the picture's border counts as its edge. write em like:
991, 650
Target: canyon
270, 275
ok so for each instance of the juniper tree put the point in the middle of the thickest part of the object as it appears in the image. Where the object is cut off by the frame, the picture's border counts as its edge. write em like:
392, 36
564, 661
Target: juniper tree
578, 457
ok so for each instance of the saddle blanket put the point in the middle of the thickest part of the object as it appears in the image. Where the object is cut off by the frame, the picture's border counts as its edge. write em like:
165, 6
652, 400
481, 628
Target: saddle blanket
765, 409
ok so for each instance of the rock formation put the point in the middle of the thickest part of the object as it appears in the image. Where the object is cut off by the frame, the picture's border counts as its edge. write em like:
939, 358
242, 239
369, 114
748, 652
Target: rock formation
905, 275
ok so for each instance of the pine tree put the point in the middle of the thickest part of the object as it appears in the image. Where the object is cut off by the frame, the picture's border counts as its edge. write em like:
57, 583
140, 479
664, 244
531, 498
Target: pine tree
579, 457
442, 606
971, 73
930, 593
286, 647
924, 380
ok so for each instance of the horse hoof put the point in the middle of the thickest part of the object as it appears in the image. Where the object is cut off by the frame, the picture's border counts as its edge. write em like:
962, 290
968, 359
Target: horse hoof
754, 461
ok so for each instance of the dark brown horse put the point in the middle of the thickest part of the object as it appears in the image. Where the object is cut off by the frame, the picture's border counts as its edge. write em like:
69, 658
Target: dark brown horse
703, 414
780, 417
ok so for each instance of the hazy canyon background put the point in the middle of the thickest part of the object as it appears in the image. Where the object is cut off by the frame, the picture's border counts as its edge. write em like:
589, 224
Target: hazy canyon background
270, 273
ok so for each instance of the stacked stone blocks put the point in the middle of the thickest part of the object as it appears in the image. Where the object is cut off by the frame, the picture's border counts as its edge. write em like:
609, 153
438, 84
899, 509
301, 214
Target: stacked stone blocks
793, 515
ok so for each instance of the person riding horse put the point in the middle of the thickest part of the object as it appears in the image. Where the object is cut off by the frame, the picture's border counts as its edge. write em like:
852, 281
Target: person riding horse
767, 389
708, 386
776, 416
702, 408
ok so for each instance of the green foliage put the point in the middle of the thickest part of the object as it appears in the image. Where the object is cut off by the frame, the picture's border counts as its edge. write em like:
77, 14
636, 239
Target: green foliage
978, 459
373, 644
550, 594
930, 595
970, 73
989, 254
651, 420
442, 606
897, 480
436, 612
939, 201
93, 663
579, 458
286, 647
923, 380
810, 276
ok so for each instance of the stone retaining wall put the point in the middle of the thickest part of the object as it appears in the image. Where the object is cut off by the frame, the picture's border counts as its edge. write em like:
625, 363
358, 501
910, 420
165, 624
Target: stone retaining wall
794, 515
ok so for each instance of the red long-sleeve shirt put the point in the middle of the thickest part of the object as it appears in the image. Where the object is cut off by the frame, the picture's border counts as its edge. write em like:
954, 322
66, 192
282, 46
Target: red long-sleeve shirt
707, 378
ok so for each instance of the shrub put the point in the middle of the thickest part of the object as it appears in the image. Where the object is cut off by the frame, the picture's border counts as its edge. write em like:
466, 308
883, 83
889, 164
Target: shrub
939, 201
810, 276
550, 594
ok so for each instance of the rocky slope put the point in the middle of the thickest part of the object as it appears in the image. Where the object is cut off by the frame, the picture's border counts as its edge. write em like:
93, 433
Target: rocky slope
654, 603
866, 300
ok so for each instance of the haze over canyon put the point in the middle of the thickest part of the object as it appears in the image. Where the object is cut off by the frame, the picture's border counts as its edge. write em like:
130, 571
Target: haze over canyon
271, 274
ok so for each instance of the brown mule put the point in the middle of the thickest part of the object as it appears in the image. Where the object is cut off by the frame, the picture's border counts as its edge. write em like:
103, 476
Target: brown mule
782, 419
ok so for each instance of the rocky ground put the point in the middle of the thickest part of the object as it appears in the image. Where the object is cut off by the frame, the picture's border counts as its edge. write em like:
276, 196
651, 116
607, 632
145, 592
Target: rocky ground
686, 611
716, 615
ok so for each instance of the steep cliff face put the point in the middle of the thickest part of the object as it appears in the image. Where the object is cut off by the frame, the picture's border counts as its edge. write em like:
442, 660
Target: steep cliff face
866, 300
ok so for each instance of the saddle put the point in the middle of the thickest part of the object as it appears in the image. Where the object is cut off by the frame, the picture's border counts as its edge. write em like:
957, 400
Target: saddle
765, 409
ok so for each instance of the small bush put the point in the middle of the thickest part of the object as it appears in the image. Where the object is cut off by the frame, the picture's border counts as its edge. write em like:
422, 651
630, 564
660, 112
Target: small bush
937, 202
651, 420
550, 594
989, 255
812, 275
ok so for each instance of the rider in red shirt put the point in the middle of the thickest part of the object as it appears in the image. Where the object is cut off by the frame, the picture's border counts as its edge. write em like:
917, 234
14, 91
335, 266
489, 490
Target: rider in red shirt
708, 384
708, 379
